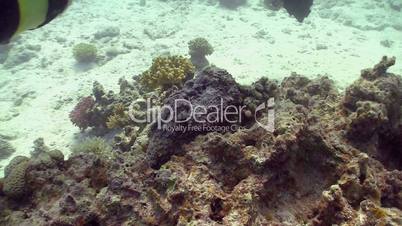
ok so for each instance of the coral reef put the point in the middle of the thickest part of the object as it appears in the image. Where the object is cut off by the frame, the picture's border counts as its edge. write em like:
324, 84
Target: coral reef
333, 159
373, 108
166, 72
85, 53
119, 117
199, 48
17, 185
110, 111
94, 145
259, 92
103, 110
212, 87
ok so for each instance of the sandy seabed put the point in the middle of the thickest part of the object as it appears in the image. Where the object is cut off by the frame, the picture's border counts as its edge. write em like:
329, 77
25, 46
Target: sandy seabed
40, 86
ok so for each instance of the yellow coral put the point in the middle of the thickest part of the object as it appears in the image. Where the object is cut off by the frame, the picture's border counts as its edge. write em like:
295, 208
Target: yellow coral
379, 212
166, 72
119, 118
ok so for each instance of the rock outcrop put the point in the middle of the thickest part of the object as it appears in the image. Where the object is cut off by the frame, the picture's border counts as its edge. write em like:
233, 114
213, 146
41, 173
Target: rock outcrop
333, 159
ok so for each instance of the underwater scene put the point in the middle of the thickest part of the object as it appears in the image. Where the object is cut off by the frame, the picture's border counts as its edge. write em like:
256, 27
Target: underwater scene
200, 112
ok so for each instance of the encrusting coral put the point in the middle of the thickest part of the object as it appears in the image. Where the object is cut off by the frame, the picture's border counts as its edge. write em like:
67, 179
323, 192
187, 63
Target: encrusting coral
322, 165
166, 72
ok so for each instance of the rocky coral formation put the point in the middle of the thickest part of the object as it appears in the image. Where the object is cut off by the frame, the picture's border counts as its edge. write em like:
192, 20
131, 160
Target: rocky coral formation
105, 110
373, 108
333, 159
214, 88
16, 184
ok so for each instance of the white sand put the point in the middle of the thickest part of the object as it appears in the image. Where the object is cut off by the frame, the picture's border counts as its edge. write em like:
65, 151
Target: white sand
250, 42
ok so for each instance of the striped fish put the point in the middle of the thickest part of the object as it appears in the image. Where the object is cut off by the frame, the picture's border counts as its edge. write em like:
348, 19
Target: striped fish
17, 16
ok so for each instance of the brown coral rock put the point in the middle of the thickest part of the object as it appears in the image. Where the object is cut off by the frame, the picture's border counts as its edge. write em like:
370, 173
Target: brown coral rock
333, 159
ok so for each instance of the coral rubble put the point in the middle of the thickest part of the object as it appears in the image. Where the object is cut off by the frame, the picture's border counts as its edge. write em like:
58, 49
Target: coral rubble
333, 159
